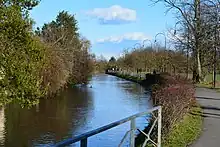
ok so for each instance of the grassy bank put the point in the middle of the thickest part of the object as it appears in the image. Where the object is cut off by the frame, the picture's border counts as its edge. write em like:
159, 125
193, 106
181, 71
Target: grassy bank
127, 77
186, 130
181, 119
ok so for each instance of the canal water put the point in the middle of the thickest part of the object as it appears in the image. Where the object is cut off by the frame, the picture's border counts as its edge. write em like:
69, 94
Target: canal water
76, 110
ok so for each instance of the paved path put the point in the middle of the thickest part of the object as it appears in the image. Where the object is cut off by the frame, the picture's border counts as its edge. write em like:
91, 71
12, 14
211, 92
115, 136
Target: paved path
210, 102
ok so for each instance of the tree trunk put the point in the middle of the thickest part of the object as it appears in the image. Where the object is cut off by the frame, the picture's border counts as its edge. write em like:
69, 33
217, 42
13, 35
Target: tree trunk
197, 71
195, 63
199, 66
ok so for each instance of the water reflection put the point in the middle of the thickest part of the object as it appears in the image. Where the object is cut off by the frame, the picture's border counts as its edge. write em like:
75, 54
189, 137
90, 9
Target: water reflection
76, 110
48, 122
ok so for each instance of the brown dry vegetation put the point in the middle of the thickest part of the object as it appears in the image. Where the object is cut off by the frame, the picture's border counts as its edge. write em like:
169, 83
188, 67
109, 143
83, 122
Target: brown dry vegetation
176, 96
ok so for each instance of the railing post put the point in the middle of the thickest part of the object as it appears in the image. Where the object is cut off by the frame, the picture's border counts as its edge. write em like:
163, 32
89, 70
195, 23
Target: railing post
83, 143
159, 127
132, 136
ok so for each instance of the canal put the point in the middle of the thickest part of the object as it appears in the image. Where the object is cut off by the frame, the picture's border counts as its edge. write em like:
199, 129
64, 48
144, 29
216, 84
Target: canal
74, 111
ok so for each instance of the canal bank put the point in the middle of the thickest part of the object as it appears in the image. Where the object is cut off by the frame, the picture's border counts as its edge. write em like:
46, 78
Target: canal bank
181, 115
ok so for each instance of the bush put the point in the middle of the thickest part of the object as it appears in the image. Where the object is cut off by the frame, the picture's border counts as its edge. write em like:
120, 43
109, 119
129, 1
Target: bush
69, 58
55, 75
176, 96
21, 59
34, 65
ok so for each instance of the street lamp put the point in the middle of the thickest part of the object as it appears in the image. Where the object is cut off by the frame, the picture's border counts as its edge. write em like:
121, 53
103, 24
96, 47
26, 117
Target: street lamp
136, 45
145, 53
165, 43
165, 39
148, 41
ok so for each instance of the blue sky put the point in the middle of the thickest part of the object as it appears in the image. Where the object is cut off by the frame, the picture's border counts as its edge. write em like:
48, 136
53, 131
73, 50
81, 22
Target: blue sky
110, 25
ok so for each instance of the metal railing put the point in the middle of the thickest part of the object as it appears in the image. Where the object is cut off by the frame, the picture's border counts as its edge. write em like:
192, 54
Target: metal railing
83, 137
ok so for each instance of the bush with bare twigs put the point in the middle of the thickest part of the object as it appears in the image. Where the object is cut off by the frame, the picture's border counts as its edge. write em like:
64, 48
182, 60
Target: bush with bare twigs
176, 96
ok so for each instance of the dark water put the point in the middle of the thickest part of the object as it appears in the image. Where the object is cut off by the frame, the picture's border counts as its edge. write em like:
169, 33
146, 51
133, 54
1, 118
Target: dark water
76, 110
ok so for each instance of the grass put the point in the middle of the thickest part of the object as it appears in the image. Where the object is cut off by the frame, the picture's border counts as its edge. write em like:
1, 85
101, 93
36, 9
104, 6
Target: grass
209, 77
186, 131
208, 82
129, 77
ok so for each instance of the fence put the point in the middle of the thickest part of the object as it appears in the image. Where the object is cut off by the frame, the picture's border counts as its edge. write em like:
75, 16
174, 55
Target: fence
84, 137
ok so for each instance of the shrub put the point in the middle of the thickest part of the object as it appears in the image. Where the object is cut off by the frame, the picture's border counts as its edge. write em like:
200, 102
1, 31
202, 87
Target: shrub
176, 96
55, 75
31, 66
21, 58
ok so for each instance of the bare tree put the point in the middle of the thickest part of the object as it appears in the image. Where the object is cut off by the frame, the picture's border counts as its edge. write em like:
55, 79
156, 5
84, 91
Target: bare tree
196, 18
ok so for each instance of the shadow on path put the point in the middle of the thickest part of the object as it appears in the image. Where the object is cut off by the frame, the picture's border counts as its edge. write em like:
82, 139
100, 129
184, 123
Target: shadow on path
208, 114
209, 101
211, 115
208, 98
210, 108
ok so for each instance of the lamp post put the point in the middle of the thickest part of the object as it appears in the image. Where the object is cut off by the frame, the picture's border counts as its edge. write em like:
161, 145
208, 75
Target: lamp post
136, 45
165, 44
165, 39
145, 53
148, 41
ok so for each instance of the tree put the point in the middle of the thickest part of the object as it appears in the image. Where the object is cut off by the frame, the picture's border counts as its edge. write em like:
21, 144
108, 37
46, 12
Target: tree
195, 20
112, 59
21, 54
62, 31
72, 49
162, 60
21, 5
35, 64
100, 64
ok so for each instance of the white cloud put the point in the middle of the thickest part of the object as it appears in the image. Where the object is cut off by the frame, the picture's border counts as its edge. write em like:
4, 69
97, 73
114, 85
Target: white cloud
136, 36
113, 15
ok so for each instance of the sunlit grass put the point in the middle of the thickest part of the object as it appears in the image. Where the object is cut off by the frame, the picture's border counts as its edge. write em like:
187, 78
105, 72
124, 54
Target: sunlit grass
186, 131
209, 77
207, 83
